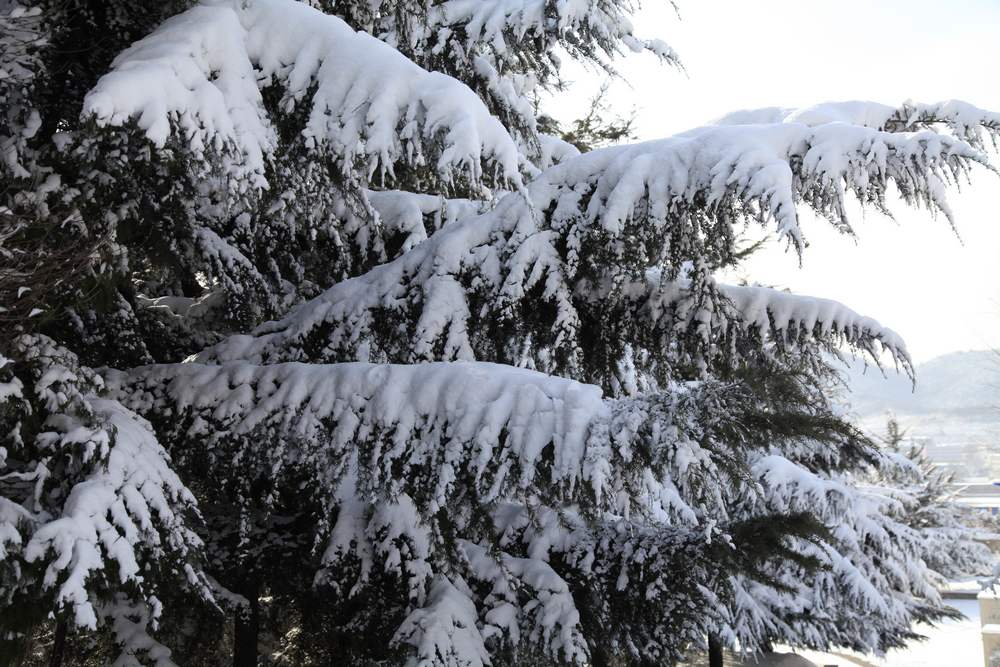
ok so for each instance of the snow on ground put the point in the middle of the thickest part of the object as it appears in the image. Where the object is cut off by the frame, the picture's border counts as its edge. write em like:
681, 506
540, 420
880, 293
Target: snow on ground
949, 644
781, 659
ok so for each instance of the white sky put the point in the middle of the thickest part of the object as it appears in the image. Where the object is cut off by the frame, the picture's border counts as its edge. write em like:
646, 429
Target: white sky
940, 293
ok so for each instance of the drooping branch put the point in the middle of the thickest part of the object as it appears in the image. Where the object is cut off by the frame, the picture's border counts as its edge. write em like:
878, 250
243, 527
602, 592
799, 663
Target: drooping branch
515, 481
89, 505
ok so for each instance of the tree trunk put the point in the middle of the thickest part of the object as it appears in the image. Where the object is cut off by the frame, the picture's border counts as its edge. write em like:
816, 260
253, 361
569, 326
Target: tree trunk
58, 645
245, 630
714, 651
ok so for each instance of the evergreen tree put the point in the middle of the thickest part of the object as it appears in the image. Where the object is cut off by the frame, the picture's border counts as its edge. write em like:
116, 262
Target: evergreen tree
454, 393
953, 546
596, 129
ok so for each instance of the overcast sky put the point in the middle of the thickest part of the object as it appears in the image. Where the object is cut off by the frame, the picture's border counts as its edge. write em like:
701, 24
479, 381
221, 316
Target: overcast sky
913, 275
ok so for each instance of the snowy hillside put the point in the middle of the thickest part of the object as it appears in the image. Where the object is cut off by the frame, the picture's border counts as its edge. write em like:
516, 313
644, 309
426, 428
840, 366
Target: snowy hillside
960, 383
955, 403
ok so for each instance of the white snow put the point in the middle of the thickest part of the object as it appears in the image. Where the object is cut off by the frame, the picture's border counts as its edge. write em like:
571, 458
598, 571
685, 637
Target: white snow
419, 215
501, 413
193, 75
199, 75
444, 632
774, 312
779, 659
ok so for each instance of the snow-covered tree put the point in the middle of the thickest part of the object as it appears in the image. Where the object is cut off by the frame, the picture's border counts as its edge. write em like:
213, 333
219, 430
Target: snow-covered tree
953, 545
453, 392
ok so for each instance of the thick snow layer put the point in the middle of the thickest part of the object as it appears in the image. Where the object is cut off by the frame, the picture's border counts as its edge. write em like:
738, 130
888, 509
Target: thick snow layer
769, 311
555, 614
554, 150
193, 75
477, 405
199, 75
765, 308
444, 631
417, 216
487, 424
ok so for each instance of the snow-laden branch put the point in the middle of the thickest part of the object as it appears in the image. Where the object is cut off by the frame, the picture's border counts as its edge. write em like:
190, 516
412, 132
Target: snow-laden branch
551, 491
590, 30
869, 561
593, 227
498, 423
21, 40
768, 168
963, 120
478, 406
413, 216
89, 504
773, 314
492, 21
200, 74
113, 515
506, 50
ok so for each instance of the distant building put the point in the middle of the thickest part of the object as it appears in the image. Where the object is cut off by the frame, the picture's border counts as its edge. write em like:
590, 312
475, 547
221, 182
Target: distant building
980, 494
966, 460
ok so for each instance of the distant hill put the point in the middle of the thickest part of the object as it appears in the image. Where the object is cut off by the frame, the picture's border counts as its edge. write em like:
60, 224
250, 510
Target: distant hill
956, 398
960, 382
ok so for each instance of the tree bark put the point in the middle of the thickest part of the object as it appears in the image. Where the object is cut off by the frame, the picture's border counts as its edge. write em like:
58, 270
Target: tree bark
714, 651
245, 631
58, 645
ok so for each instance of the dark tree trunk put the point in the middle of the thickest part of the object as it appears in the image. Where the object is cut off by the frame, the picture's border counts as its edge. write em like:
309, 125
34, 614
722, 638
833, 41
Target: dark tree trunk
58, 645
714, 651
245, 631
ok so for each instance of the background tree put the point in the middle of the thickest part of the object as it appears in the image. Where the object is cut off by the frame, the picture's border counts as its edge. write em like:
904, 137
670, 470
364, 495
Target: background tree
597, 128
954, 546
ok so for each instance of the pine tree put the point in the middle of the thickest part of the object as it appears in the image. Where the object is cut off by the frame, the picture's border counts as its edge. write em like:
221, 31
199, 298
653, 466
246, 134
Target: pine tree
953, 546
453, 392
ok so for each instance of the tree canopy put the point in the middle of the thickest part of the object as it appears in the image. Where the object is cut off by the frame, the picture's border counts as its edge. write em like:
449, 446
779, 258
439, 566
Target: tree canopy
323, 349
